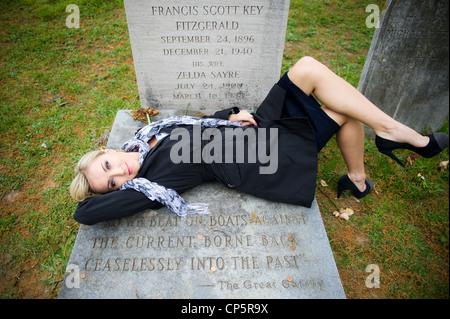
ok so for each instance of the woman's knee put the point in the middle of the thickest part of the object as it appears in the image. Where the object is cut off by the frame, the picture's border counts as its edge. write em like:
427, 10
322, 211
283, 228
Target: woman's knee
304, 73
306, 61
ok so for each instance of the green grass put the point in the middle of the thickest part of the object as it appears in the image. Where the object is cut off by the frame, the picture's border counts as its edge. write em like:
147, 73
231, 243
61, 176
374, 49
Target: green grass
63, 87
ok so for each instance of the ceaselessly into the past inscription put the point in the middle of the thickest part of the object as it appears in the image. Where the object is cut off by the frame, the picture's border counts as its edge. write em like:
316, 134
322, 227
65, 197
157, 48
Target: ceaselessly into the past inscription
220, 243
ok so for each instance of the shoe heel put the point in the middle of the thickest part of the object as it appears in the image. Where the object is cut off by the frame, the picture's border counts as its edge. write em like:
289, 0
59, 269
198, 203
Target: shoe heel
344, 183
340, 189
395, 158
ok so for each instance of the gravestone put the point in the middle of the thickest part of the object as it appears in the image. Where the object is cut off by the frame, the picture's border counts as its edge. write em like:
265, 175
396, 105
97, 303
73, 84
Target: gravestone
406, 71
207, 54
246, 248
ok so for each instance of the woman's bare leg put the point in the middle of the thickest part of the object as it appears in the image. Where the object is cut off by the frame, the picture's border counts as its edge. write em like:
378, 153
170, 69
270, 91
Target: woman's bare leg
350, 139
341, 97
350, 109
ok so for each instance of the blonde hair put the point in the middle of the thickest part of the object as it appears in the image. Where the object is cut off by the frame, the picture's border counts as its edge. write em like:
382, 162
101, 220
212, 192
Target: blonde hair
80, 188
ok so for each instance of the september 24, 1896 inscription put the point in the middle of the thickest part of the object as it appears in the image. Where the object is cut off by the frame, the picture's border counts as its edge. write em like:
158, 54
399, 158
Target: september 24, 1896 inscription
209, 54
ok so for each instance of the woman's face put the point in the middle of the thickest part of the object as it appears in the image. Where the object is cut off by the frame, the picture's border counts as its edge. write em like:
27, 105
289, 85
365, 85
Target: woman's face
111, 170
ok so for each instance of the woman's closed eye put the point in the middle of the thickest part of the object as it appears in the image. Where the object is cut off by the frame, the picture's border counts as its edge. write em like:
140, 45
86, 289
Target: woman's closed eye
112, 182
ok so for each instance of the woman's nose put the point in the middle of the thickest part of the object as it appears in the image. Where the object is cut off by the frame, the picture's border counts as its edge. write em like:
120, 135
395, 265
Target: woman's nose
120, 170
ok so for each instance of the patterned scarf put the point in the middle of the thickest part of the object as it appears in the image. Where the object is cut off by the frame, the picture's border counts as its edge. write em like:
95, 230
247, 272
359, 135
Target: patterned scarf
154, 191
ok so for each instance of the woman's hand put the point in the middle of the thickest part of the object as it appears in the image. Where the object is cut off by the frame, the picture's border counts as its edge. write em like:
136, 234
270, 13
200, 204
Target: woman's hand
243, 116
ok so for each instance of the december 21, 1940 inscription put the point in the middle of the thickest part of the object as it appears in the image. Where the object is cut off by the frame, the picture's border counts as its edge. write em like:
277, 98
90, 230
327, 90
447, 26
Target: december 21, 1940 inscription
207, 54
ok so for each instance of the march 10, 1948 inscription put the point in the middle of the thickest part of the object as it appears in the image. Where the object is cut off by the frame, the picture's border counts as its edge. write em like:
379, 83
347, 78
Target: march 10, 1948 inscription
250, 248
209, 54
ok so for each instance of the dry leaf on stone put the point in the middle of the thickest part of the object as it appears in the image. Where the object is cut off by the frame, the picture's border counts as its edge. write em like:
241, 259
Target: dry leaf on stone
141, 114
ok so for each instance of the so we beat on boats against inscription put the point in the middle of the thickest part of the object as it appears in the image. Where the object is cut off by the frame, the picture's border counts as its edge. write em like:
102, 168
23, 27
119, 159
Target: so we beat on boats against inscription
175, 154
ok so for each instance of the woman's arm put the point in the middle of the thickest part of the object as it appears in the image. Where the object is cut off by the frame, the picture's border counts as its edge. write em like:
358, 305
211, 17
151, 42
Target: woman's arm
113, 205
224, 114
234, 114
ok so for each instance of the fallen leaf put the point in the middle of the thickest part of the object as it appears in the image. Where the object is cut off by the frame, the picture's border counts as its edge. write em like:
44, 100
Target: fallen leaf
344, 213
323, 183
141, 114
289, 278
83, 275
349, 211
443, 165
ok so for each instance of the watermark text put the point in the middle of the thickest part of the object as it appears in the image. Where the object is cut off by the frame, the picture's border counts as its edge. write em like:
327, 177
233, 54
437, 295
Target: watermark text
261, 146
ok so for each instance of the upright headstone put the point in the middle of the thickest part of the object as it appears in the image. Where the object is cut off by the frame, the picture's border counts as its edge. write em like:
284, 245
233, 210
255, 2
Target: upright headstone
406, 71
207, 54
246, 248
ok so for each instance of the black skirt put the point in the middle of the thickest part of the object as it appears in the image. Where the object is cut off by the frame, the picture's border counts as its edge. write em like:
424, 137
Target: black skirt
298, 104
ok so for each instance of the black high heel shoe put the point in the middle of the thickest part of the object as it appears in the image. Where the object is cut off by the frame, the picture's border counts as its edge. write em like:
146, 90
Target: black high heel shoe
345, 183
438, 142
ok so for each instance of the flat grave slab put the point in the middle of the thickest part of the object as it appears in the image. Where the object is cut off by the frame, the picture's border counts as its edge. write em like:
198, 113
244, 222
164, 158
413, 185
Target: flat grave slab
246, 248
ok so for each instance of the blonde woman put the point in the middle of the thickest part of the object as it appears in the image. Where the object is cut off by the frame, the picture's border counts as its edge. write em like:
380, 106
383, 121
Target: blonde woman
145, 175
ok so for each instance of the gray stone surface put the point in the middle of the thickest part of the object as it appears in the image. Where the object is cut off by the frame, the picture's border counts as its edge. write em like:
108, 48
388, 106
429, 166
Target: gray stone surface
206, 53
260, 249
406, 71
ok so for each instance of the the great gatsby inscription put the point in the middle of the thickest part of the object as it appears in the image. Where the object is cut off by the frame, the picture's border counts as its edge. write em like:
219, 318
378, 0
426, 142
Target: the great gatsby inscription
227, 252
208, 54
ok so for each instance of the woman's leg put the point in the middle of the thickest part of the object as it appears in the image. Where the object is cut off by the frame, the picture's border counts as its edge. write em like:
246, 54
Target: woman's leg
350, 139
350, 109
342, 98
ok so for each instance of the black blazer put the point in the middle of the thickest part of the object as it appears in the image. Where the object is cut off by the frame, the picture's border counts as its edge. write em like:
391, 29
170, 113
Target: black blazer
293, 182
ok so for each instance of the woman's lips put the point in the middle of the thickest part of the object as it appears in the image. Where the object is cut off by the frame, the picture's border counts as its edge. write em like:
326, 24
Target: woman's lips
130, 171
